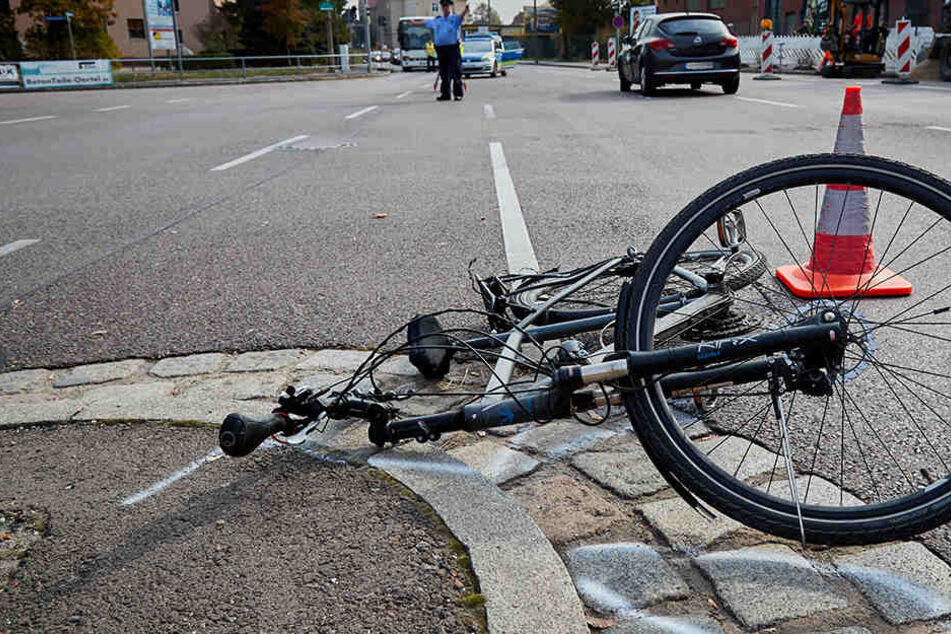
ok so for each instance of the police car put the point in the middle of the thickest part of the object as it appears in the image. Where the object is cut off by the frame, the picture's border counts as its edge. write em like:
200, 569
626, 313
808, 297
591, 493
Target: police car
482, 53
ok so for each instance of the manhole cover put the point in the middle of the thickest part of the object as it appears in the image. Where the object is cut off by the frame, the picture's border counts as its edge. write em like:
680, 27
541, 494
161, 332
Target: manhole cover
316, 145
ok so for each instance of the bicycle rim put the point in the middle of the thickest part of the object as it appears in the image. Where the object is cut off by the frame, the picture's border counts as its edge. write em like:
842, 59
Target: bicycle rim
869, 461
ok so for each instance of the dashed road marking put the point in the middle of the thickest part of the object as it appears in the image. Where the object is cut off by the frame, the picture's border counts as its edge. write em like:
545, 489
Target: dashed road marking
404, 94
360, 113
938, 128
16, 246
518, 246
257, 153
178, 100
111, 108
488, 110
426, 85
27, 120
781, 104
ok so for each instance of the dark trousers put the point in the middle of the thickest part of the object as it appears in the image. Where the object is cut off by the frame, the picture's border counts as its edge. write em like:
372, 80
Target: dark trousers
430, 64
450, 69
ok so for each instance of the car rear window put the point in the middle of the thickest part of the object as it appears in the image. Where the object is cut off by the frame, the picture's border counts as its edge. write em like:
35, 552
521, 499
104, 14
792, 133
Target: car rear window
693, 26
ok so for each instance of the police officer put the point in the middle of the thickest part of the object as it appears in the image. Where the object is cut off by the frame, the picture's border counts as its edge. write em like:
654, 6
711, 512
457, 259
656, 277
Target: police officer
446, 35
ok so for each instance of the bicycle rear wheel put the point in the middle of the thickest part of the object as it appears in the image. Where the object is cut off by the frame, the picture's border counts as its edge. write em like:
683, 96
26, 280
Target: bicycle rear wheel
869, 460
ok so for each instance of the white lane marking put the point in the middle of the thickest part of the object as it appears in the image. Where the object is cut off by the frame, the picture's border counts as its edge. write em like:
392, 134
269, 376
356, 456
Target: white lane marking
426, 85
518, 246
12, 121
111, 108
16, 246
488, 110
214, 454
360, 113
257, 153
404, 94
938, 128
768, 102
178, 100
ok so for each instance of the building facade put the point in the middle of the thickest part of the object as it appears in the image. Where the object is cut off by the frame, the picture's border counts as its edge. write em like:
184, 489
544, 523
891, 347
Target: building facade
128, 31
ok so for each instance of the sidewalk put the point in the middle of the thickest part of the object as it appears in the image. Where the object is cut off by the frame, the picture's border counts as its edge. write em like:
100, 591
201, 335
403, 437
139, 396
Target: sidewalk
553, 516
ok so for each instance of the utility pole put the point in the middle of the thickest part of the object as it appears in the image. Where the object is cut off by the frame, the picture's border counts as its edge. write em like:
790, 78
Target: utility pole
330, 33
366, 34
178, 40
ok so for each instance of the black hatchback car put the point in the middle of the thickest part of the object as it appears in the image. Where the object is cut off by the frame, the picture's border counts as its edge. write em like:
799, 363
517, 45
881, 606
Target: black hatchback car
680, 48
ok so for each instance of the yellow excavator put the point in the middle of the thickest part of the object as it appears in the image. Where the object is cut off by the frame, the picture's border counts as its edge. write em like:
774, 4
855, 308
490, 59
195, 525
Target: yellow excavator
853, 37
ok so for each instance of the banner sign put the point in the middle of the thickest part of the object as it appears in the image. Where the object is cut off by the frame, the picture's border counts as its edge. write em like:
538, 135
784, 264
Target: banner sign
547, 19
67, 74
9, 76
160, 24
639, 13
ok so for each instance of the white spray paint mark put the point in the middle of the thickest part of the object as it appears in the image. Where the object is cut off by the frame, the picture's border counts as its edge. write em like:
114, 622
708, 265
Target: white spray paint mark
604, 597
938, 128
927, 602
488, 110
16, 246
449, 468
214, 454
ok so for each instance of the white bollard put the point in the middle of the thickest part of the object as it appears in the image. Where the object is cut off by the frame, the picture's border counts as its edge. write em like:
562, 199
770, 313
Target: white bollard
344, 58
595, 56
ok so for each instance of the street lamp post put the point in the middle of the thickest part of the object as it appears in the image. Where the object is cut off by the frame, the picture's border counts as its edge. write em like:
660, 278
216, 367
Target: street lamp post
178, 41
69, 27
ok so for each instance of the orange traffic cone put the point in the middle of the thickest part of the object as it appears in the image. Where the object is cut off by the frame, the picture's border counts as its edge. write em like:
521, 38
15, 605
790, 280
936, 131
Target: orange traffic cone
842, 262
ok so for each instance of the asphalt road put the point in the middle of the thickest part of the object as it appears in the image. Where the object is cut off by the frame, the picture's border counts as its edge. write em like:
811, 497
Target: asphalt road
145, 250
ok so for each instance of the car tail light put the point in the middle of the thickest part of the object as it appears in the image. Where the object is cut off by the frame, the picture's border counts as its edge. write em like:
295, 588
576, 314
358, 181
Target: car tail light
729, 41
659, 45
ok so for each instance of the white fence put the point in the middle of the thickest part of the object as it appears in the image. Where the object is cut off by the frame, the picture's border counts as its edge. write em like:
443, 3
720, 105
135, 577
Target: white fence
800, 51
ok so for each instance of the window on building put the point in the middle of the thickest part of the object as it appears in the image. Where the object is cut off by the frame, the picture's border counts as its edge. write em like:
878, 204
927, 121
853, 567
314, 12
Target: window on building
694, 5
136, 29
717, 4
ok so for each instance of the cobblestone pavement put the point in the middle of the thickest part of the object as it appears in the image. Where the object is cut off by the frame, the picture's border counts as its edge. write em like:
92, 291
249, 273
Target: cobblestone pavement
640, 559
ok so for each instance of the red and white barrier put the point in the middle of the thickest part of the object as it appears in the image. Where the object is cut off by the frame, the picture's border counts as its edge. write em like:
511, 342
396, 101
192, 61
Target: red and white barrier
595, 56
766, 57
906, 57
612, 54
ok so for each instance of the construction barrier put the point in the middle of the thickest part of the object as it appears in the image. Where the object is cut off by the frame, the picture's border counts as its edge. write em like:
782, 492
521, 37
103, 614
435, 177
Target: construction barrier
595, 56
842, 262
767, 70
907, 56
612, 54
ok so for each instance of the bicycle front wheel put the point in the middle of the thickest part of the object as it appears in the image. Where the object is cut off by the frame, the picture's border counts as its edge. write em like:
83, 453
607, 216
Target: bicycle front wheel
868, 459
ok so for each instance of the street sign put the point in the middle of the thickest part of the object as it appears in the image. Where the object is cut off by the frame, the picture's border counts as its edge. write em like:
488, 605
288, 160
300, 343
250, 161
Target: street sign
89, 72
55, 18
325, 6
618, 22
160, 24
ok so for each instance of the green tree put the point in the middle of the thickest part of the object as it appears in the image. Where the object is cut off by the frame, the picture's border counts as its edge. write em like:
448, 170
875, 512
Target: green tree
284, 20
50, 40
582, 16
10, 48
483, 14
220, 32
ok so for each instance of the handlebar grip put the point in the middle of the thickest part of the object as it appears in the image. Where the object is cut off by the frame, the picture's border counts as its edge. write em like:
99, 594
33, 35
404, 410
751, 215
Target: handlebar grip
240, 435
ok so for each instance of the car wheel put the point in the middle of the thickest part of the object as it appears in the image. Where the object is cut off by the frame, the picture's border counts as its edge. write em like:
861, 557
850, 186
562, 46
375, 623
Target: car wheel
731, 85
647, 82
695, 85
625, 84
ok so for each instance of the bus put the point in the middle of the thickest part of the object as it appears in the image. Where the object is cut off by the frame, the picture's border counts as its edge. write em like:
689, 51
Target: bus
412, 35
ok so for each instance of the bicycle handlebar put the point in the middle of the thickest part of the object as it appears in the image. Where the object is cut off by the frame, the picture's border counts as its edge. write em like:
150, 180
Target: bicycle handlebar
240, 435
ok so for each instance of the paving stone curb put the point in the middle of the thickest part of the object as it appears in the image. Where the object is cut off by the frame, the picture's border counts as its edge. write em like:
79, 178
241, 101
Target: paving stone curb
551, 514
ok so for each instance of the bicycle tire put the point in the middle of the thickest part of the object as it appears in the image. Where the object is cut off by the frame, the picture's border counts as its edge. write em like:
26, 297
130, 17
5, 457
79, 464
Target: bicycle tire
525, 302
681, 458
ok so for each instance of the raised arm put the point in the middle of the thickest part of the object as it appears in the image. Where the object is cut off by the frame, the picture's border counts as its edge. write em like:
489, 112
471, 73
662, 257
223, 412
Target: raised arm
465, 12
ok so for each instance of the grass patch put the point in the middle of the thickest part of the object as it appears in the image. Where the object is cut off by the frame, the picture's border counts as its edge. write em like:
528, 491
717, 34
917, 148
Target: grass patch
474, 600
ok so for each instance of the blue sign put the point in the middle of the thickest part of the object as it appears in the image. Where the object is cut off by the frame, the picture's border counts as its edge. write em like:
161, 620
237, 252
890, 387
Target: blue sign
618, 22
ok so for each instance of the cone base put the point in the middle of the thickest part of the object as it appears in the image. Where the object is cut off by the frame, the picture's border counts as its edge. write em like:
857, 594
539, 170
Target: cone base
809, 284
